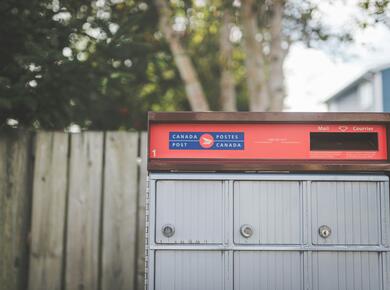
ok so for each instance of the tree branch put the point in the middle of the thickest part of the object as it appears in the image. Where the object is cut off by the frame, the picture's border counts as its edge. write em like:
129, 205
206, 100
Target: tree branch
227, 82
193, 87
277, 56
254, 60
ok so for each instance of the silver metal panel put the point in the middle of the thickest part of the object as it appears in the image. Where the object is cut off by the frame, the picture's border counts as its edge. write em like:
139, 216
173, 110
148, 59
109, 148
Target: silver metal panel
350, 209
385, 211
268, 270
190, 270
194, 208
205, 209
386, 270
258, 247
344, 271
272, 208
267, 176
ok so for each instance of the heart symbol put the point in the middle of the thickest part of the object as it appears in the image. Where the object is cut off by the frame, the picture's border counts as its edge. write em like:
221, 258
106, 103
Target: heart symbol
343, 128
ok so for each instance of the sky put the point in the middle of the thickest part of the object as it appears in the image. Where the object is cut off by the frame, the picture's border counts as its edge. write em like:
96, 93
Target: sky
313, 75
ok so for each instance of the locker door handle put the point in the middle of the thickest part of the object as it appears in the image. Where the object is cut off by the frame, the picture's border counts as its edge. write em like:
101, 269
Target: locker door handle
246, 231
168, 230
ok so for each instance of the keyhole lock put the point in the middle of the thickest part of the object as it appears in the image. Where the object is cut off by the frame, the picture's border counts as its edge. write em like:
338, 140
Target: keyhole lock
324, 231
246, 231
168, 230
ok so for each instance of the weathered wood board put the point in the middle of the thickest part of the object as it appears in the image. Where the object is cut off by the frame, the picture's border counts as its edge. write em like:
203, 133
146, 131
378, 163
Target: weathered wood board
119, 211
15, 202
141, 212
84, 205
48, 211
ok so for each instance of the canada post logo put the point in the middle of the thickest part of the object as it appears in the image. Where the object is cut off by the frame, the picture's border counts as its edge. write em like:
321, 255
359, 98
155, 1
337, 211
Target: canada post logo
206, 140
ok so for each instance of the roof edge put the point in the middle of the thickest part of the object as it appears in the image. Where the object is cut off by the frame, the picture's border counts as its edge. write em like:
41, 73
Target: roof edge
355, 81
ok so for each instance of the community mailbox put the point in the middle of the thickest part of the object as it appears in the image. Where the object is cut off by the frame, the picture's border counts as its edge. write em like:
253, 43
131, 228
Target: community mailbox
250, 201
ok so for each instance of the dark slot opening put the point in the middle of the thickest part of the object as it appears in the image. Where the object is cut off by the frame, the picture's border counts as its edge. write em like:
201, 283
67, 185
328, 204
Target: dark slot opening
325, 141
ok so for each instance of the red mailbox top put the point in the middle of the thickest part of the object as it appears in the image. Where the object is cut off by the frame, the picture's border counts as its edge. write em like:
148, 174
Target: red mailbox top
268, 141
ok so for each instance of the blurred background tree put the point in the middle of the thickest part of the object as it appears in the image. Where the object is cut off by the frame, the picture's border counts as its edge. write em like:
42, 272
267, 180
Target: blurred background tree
103, 64
97, 64
375, 11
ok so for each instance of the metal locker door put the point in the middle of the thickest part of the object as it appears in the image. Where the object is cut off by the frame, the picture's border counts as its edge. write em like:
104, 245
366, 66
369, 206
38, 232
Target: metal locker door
189, 212
346, 270
268, 270
189, 270
348, 213
270, 212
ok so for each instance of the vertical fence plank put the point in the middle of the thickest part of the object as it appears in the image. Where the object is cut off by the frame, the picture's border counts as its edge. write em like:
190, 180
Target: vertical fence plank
15, 202
119, 211
83, 225
48, 211
141, 213
122, 237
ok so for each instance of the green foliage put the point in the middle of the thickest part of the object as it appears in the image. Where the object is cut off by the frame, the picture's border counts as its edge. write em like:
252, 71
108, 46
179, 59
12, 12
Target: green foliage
100, 64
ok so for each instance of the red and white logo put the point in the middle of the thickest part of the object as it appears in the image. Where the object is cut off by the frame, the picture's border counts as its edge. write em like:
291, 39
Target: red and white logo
343, 128
206, 141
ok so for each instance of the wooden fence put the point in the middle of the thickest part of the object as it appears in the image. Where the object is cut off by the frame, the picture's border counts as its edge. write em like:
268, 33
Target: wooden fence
72, 210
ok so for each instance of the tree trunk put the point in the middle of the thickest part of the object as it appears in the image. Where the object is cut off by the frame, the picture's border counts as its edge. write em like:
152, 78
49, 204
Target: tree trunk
227, 82
193, 87
277, 56
254, 60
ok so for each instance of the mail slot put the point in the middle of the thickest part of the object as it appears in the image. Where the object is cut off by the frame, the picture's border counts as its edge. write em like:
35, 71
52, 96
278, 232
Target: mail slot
343, 141
249, 201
